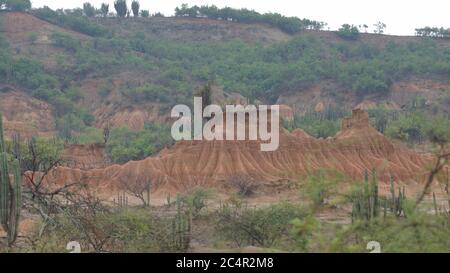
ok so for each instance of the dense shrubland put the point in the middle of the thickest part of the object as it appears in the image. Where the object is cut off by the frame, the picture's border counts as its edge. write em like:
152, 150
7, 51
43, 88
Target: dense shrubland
253, 70
256, 71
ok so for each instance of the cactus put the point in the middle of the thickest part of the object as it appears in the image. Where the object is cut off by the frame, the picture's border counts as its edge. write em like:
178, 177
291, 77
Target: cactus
168, 200
397, 202
366, 201
435, 204
149, 189
122, 200
392, 194
374, 190
181, 228
10, 193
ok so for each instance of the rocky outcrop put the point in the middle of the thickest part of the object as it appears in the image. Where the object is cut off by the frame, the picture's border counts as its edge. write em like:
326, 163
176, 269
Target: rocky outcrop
356, 148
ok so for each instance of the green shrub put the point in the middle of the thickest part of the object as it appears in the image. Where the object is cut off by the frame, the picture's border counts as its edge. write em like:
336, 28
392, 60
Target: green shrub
410, 128
321, 186
318, 124
69, 126
196, 200
32, 37
348, 32
149, 92
90, 135
145, 13
65, 40
125, 144
262, 227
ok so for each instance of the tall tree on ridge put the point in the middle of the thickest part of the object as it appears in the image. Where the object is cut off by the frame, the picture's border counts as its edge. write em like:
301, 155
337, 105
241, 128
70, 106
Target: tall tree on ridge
104, 9
121, 7
135, 8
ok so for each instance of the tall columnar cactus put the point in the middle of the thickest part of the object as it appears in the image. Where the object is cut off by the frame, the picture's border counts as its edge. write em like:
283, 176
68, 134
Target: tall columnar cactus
10, 192
122, 200
149, 191
397, 202
392, 194
374, 190
435, 204
365, 201
181, 228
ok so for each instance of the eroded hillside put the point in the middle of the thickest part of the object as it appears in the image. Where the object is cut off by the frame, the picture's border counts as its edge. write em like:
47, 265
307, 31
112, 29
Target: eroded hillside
188, 164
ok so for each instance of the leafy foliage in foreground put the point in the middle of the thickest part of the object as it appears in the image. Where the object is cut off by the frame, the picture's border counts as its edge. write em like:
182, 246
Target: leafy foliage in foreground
418, 233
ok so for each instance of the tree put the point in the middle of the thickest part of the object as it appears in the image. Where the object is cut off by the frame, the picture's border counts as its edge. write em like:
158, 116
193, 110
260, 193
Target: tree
379, 27
365, 28
89, 10
104, 10
106, 133
244, 184
320, 187
135, 7
17, 5
121, 8
145, 13
348, 32
433, 32
137, 186
206, 93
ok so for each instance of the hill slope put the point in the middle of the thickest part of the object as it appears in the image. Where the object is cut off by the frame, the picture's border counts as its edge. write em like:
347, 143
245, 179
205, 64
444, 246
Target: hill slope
133, 70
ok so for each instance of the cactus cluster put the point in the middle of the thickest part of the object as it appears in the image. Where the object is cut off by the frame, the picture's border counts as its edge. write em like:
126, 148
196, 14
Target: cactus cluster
397, 203
10, 191
122, 200
367, 203
181, 228
439, 210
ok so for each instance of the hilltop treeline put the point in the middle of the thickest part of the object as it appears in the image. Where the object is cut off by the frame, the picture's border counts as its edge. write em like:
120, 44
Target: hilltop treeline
436, 32
72, 19
288, 24
15, 5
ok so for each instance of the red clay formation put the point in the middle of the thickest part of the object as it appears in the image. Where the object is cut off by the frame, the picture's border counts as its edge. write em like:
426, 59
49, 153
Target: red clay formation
357, 147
